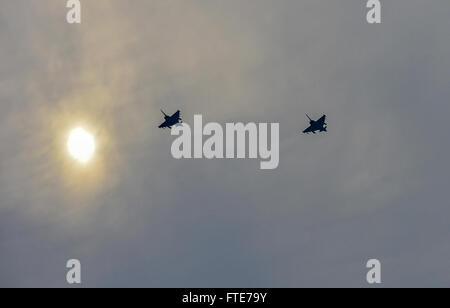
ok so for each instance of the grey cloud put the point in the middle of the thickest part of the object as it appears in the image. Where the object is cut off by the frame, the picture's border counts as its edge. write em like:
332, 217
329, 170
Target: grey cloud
372, 187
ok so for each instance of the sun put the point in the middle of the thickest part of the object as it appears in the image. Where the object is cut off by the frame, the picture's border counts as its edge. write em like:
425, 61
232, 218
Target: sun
81, 145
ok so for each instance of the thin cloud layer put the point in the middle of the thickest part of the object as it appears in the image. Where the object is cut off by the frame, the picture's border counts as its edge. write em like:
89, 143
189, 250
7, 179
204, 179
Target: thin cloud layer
373, 187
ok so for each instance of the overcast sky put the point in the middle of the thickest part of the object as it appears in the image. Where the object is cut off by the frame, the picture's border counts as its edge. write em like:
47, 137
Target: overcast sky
375, 186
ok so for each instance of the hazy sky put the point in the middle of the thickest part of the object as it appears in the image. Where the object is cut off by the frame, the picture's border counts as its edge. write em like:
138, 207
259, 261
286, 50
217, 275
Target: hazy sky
375, 186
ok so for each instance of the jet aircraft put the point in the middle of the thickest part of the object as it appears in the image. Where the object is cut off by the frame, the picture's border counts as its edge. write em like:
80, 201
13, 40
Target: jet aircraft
172, 120
316, 126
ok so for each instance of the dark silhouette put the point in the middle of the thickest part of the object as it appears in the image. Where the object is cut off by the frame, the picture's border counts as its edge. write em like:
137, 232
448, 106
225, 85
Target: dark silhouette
171, 120
316, 126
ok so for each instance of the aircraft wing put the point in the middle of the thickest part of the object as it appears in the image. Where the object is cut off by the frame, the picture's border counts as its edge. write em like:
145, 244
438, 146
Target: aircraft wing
322, 120
176, 115
308, 130
163, 125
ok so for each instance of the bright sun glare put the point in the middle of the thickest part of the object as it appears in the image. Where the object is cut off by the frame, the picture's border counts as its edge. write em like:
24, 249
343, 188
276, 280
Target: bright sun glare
81, 145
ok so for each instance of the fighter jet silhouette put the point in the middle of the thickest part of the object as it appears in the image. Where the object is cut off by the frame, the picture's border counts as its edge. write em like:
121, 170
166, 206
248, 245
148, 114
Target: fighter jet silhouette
171, 120
316, 126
